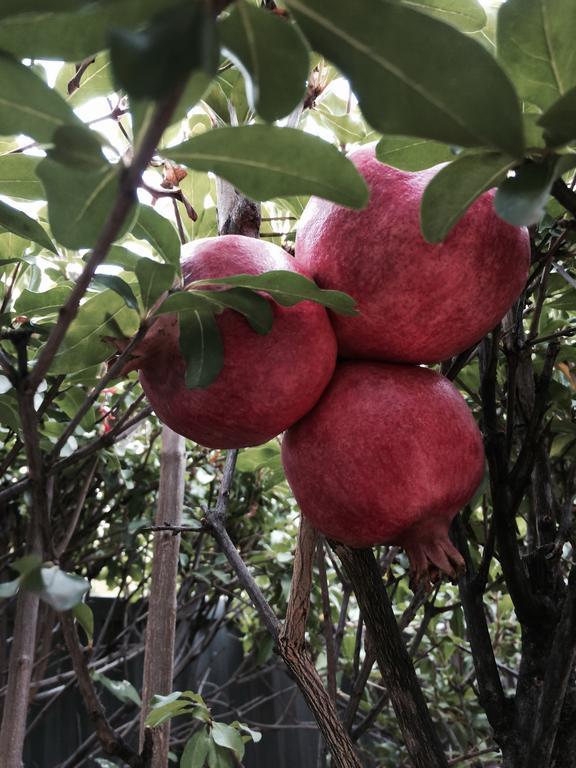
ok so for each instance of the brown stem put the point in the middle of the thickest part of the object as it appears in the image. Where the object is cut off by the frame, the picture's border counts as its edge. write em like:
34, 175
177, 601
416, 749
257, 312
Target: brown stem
290, 642
161, 623
396, 667
111, 742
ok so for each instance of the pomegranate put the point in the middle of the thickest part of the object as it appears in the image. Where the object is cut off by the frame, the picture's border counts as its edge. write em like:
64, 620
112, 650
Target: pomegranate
388, 456
267, 382
418, 302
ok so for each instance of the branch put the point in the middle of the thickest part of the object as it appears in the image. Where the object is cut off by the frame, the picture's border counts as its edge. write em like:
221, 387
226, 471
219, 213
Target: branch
565, 196
111, 742
125, 200
490, 691
504, 522
561, 660
396, 667
294, 656
161, 621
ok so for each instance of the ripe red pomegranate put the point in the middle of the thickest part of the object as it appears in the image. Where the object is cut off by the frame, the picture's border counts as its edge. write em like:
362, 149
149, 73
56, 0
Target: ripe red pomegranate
388, 456
267, 382
419, 303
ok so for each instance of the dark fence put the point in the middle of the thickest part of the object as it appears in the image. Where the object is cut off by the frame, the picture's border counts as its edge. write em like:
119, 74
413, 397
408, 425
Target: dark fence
55, 740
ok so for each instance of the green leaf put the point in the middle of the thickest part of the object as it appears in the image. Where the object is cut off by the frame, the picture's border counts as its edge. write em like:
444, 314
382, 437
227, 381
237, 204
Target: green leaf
273, 55
80, 202
154, 279
454, 188
16, 7
27, 104
467, 15
143, 111
287, 288
123, 690
521, 198
410, 154
118, 285
256, 736
148, 63
105, 314
264, 161
559, 121
162, 708
70, 403
9, 588
160, 233
228, 737
62, 590
77, 147
45, 302
84, 616
22, 225
18, 177
196, 750
535, 44
255, 308
414, 75
201, 347
27, 564
74, 35
95, 81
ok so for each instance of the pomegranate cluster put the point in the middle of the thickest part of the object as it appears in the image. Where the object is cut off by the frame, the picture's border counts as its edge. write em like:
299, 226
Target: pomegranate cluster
377, 449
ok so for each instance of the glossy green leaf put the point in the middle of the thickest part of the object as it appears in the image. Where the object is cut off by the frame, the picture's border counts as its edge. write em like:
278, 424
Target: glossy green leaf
24, 226
201, 347
27, 104
414, 75
25, 565
94, 81
147, 63
264, 161
467, 15
412, 154
84, 616
454, 188
16, 7
18, 177
61, 590
80, 202
535, 44
34, 303
77, 147
162, 708
74, 35
288, 288
196, 750
104, 314
255, 308
228, 737
70, 403
272, 53
123, 690
9, 588
256, 736
559, 120
160, 233
118, 285
142, 111
521, 198
9, 416
154, 279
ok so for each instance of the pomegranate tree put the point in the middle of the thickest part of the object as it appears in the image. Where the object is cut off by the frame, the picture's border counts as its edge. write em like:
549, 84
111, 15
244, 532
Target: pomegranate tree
267, 381
388, 456
418, 302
